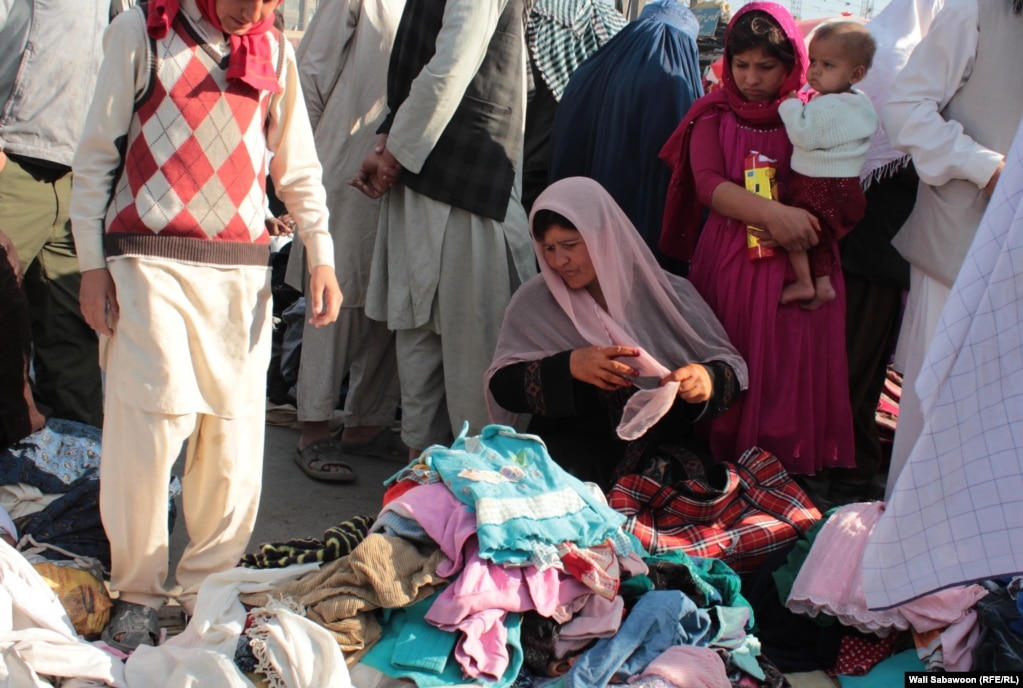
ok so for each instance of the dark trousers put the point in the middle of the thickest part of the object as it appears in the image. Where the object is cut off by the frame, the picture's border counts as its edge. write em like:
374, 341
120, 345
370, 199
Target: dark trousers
873, 313
34, 214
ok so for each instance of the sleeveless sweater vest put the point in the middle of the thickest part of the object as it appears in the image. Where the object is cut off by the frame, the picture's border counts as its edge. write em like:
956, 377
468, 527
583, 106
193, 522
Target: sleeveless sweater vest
193, 182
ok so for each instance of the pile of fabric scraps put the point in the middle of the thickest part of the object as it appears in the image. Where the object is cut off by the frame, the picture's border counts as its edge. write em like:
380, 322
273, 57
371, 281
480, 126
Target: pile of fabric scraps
49, 483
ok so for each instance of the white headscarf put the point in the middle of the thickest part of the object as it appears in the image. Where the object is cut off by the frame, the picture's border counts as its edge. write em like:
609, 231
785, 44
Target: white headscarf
660, 314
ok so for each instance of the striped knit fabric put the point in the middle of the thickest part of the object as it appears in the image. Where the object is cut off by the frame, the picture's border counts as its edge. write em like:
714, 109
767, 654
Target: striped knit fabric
563, 33
338, 541
194, 161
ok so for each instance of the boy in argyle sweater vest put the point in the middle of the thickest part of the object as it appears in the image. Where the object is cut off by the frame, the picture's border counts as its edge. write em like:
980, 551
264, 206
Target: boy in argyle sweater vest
168, 218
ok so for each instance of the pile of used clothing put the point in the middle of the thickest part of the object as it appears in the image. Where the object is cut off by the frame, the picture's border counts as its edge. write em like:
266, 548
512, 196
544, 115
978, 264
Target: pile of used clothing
490, 565
49, 484
812, 613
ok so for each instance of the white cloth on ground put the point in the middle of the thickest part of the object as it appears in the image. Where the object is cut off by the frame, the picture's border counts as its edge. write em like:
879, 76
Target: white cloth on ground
22, 499
304, 654
37, 637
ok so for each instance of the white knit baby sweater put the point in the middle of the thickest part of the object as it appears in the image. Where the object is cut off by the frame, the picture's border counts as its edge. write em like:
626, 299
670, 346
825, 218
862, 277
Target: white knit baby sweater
830, 134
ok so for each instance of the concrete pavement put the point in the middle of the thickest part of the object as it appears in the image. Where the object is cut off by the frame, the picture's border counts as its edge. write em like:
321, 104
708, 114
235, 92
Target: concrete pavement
293, 505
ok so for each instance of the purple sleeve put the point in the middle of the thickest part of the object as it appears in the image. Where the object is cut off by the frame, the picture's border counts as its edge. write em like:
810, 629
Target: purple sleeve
706, 158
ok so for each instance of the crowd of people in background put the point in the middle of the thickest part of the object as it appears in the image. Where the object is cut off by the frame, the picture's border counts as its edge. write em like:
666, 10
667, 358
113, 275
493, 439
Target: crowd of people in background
524, 212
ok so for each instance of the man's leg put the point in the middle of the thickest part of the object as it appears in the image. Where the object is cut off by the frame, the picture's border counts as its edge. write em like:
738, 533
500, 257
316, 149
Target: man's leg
139, 449
872, 316
220, 486
34, 214
66, 350
365, 350
476, 284
29, 211
424, 416
373, 390
927, 298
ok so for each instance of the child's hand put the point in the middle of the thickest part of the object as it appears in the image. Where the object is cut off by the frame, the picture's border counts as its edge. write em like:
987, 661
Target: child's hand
791, 95
97, 298
325, 294
280, 226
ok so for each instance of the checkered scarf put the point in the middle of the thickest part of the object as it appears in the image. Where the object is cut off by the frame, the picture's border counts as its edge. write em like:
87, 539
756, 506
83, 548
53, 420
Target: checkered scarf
563, 33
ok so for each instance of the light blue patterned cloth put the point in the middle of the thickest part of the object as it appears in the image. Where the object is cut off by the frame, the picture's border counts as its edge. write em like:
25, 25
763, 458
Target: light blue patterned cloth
525, 504
63, 450
54, 457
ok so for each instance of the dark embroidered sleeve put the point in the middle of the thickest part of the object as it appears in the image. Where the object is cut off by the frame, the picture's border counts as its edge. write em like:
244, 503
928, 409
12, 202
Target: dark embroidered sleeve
726, 389
542, 387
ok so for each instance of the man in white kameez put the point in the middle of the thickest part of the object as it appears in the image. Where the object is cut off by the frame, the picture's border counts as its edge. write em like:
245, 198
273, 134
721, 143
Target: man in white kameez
955, 111
453, 241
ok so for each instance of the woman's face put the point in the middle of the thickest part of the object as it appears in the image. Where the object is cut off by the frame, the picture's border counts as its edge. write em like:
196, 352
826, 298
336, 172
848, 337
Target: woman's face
566, 254
758, 74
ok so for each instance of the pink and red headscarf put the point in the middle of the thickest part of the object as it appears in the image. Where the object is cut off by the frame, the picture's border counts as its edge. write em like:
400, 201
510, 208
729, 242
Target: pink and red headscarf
682, 212
251, 59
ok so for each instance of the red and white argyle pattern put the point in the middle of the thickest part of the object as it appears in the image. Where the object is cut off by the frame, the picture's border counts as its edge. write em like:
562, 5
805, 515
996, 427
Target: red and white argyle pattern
195, 156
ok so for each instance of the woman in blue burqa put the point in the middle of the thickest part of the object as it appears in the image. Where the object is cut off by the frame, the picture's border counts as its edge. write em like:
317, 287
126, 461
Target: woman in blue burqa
622, 104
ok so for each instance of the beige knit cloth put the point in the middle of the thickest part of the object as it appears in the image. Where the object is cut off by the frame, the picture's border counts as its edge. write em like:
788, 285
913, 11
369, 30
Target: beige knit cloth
382, 572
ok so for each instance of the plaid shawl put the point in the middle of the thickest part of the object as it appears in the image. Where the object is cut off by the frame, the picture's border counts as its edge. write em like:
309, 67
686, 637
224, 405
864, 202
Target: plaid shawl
759, 510
563, 33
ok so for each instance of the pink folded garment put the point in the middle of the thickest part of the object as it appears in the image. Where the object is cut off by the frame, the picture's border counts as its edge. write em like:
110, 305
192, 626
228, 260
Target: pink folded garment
686, 666
831, 581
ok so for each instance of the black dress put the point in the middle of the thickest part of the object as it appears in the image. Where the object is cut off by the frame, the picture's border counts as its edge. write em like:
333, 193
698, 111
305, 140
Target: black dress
577, 422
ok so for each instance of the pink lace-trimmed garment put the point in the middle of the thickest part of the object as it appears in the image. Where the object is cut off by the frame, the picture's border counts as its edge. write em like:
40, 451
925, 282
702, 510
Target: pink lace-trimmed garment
831, 581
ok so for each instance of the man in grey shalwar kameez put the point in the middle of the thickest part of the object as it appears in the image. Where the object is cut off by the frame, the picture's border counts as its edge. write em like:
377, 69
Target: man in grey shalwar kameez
343, 68
453, 240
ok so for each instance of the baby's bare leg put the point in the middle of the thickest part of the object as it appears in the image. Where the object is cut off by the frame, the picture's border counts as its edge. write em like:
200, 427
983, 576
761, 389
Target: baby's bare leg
802, 289
825, 293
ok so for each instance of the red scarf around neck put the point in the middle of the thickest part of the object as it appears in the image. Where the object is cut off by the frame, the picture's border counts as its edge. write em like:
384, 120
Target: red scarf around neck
251, 58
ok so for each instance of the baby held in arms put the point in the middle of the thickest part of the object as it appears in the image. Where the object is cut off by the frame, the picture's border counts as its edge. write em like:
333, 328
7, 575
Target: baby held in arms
830, 136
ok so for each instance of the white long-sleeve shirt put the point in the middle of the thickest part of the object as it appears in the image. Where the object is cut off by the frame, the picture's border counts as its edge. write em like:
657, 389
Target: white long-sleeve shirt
955, 109
942, 150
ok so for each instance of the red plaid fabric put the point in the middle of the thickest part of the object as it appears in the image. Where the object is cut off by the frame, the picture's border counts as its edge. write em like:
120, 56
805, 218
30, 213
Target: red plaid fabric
759, 510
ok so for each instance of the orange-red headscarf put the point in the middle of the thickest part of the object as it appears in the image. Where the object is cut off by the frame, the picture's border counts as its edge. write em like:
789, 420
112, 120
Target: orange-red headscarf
251, 58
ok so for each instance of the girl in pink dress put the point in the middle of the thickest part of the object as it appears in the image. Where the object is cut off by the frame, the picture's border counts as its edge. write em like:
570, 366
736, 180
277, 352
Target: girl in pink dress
797, 403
